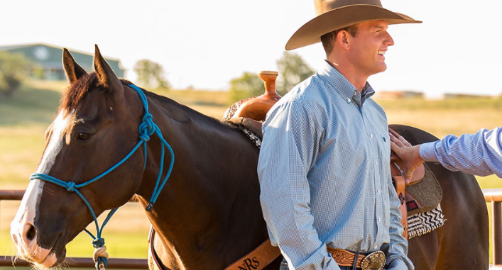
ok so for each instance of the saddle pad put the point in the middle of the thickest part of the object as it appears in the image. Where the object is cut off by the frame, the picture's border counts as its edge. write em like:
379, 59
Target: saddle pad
250, 127
422, 223
425, 195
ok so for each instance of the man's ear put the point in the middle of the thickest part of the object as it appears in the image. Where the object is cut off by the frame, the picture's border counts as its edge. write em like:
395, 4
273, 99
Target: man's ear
343, 39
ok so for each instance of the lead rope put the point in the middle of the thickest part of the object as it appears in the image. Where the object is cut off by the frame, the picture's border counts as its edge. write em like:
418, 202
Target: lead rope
146, 129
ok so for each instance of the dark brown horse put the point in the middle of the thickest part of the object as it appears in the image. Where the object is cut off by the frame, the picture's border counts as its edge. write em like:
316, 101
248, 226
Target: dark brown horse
208, 214
462, 243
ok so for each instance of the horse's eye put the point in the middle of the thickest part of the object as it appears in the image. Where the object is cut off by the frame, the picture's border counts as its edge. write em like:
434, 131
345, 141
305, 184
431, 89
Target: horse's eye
83, 136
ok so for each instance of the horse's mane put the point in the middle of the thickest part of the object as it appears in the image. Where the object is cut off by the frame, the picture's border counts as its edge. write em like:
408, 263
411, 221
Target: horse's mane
78, 90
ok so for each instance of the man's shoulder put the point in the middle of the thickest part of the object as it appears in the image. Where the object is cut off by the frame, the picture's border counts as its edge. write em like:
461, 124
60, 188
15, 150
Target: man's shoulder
306, 91
304, 99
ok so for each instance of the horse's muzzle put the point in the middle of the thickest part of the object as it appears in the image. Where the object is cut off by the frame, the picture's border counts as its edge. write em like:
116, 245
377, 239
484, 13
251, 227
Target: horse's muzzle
24, 236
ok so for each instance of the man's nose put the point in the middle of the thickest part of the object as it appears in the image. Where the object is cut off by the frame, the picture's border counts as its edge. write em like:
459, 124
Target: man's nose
389, 41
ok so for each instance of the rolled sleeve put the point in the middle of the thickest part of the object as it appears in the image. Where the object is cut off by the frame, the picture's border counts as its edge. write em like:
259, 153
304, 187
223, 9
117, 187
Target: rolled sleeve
286, 156
479, 153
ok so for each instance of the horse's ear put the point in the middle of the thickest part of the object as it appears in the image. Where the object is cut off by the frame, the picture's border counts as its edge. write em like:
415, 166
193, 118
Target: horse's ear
106, 76
73, 70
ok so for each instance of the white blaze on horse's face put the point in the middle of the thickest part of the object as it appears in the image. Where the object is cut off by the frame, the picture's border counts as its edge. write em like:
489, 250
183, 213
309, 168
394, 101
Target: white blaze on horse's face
22, 228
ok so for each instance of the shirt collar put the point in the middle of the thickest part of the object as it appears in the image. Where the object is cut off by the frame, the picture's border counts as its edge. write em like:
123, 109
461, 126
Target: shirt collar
345, 88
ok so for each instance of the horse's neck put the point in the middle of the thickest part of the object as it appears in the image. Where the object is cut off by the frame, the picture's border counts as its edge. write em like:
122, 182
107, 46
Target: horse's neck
200, 208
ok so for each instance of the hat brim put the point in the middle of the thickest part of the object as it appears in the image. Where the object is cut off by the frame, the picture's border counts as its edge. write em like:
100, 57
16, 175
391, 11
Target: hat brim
311, 32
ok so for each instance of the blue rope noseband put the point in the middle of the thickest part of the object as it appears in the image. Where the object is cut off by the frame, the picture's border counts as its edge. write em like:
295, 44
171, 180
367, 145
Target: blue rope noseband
146, 129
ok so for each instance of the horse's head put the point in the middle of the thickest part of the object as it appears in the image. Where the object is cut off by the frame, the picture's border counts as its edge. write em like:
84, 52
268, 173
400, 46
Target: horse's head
96, 126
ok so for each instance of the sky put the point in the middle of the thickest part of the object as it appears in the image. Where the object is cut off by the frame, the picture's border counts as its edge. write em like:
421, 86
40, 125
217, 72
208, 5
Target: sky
204, 44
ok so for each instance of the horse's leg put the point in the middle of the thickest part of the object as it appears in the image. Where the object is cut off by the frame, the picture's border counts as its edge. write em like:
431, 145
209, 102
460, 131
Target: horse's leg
165, 255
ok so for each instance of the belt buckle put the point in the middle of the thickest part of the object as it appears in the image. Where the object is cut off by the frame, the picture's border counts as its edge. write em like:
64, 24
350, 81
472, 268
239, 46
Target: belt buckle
373, 261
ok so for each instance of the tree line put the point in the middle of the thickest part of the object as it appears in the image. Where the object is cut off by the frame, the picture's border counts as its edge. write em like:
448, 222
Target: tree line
14, 68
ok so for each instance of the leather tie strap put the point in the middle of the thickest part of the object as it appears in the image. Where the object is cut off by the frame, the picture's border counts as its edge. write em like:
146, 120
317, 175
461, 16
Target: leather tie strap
257, 259
400, 186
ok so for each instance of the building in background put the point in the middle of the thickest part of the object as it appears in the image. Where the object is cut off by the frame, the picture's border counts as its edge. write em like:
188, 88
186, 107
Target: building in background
391, 95
466, 96
49, 63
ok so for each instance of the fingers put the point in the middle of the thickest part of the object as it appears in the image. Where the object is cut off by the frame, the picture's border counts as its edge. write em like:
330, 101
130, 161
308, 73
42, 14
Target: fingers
394, 147
392, 132
405, 142
398, 139
407, 177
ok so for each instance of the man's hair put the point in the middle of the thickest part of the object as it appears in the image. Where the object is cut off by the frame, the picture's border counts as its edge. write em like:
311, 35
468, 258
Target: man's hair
328, 40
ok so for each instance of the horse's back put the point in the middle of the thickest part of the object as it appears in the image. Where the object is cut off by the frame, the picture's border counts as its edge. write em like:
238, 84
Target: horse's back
462, 243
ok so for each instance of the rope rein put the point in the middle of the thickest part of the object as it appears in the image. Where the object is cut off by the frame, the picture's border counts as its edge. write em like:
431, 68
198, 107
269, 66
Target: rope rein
146, 129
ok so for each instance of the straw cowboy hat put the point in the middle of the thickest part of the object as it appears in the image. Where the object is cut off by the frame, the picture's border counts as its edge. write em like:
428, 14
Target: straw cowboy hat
336, 14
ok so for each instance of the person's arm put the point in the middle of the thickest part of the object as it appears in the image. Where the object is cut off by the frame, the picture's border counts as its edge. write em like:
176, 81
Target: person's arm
398, 247
479, 153
288, 152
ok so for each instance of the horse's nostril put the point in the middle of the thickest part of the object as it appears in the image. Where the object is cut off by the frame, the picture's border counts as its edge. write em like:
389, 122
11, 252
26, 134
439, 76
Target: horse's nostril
31, 233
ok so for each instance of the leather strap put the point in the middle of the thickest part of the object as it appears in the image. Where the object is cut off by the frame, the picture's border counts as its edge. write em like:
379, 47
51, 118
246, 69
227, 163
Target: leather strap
257, 259
399, 183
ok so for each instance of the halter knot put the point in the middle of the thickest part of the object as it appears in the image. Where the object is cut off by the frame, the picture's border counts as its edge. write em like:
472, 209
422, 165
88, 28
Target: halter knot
98, 242
69, 186
146, 128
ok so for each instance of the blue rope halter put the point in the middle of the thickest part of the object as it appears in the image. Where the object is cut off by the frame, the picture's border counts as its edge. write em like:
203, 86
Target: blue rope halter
146, 129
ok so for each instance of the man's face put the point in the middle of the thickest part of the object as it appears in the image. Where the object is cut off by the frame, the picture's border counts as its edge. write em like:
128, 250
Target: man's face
368, 47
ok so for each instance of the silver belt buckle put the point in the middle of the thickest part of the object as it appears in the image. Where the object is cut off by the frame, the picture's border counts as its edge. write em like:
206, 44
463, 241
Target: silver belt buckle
373, 261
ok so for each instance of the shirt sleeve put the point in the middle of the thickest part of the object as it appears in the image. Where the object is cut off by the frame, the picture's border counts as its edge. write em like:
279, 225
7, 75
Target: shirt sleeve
479, 153
286, 156
398, 246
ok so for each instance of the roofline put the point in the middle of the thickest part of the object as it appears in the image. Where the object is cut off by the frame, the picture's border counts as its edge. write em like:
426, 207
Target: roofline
53, 46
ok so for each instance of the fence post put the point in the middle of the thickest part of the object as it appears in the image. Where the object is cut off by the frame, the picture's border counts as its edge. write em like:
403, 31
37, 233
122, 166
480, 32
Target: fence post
497, 232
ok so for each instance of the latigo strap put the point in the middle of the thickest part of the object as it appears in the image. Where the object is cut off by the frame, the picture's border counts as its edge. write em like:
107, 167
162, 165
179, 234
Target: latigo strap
258, 259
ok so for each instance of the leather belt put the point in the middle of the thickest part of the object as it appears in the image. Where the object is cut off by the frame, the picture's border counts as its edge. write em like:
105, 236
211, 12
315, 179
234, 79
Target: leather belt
372, 261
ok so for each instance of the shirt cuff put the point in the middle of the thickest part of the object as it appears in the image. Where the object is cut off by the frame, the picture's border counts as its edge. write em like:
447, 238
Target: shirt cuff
428, 151
397, 264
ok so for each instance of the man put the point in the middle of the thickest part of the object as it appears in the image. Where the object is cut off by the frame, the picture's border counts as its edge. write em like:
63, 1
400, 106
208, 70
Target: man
324, 162
479, 153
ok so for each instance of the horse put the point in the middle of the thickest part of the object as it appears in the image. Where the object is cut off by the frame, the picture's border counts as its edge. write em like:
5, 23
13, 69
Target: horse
462, 242
208, 214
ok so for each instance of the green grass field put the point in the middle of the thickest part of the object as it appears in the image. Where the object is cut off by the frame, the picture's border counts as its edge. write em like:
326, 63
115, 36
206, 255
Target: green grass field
25, 116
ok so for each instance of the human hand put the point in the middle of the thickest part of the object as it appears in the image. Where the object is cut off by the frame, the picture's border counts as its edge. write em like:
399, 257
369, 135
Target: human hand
408, 153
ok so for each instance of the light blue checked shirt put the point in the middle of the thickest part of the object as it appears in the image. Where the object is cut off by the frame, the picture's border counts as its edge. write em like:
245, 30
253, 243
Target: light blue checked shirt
479, 153
325, 176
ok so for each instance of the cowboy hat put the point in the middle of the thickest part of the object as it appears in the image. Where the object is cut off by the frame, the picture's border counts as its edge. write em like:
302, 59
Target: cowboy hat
337, 14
